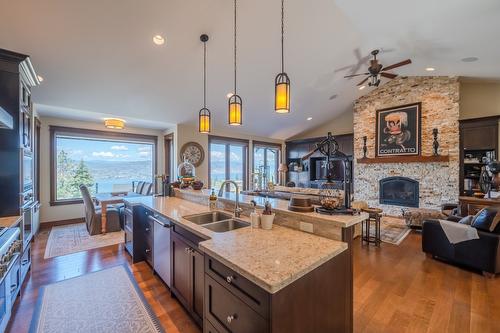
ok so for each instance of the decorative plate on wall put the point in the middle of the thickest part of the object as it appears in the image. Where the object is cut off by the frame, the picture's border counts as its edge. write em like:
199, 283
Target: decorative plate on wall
193, 152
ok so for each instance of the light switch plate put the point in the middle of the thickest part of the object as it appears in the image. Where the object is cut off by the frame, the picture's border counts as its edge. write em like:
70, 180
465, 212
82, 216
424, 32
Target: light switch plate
307, 227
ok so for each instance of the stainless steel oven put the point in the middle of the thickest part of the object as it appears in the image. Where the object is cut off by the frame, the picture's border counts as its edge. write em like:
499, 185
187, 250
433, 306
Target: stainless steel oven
10, 272
27, 225
27, 169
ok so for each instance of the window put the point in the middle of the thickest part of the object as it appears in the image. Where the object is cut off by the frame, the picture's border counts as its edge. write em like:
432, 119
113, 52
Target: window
228, 160
103, 161
266, 159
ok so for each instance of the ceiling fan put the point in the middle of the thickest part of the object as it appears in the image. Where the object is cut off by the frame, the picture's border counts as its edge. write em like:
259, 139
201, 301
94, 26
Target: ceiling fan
376, 70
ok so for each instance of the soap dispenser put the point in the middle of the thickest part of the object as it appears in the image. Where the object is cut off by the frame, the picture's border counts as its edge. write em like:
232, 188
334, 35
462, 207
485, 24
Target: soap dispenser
254, 216
212, 200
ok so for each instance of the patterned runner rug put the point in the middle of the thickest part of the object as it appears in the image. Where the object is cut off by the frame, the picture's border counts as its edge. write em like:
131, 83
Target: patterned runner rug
393, 230
74, 238
103, 301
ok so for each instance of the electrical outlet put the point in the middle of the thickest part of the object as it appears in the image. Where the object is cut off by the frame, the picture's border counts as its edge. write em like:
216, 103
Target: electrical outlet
307, 227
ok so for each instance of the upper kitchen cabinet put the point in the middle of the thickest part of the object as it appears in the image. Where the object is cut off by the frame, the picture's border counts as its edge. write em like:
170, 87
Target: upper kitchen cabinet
17, 78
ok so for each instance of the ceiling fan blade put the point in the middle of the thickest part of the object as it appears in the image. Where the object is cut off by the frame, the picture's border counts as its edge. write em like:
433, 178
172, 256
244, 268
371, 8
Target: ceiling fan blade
399, 64
353, 75
363, 81
389, 75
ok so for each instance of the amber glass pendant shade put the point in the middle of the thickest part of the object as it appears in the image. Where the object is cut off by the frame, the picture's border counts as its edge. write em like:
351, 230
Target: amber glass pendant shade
235, 111
204, 121
282, 93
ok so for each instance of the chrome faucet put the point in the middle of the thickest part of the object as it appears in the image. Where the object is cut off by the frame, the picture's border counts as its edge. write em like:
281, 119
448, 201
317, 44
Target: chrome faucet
237, 209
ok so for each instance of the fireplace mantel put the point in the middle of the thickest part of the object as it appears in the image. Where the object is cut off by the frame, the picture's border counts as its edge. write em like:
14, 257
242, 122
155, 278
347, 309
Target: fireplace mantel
403, 159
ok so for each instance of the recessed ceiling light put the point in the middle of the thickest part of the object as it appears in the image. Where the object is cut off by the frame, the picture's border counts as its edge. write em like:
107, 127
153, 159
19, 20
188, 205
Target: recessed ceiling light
470, 59
158, 40
229, 95
40, 78
430, 69
309, 118
362, 87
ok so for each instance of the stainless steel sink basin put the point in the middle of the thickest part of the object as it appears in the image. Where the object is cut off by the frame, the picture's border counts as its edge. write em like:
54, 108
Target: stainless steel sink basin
210, 217
226, 225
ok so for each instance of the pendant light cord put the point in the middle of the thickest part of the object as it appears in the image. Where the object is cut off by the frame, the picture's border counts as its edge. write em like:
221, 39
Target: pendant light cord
282, 36
235, 47
204, 74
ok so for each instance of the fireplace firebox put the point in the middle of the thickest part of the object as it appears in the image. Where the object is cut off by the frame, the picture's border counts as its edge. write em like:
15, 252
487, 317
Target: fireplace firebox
399, 191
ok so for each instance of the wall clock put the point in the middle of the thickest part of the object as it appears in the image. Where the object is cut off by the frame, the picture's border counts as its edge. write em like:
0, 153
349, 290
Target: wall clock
193, 153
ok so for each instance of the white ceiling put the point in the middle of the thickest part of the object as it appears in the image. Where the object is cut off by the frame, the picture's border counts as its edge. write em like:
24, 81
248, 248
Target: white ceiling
98, 59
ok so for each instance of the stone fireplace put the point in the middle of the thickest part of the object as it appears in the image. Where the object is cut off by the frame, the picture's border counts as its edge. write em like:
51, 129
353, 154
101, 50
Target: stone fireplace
399, 191
428, 183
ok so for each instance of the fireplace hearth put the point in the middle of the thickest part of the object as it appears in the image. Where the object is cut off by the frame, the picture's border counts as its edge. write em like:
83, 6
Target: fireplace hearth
399, 191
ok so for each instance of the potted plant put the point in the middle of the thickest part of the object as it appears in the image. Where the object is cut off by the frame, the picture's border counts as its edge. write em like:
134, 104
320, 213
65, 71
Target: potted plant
267, 217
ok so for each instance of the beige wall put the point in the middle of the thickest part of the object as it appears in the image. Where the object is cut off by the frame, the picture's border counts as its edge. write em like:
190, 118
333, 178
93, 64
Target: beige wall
187, 133
479, 99
56, 213
342, 124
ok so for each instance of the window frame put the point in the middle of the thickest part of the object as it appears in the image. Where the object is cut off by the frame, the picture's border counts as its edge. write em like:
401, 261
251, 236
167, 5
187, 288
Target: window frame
267, 145
227, 141
93, 134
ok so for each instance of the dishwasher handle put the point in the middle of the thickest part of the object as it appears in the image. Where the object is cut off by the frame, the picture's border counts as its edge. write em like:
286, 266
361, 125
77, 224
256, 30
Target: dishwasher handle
163, 224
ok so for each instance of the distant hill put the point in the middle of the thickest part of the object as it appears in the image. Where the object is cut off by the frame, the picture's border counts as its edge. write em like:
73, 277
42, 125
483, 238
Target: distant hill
105, 171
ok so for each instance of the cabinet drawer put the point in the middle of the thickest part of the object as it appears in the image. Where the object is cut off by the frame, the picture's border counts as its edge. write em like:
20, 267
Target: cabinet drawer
208, 327
228, 313
256, 297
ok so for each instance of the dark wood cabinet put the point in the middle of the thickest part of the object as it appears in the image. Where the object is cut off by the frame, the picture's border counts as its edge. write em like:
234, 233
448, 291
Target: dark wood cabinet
478, 139
188, 271
317, 302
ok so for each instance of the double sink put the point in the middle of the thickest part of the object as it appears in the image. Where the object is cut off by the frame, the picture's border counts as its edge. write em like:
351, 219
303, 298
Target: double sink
217, 221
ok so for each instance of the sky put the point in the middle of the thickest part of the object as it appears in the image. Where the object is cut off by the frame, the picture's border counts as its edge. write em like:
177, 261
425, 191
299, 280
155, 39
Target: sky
92, 150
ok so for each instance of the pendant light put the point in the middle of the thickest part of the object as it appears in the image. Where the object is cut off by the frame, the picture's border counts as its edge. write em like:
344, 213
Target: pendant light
235, 103
282, 81
204, 114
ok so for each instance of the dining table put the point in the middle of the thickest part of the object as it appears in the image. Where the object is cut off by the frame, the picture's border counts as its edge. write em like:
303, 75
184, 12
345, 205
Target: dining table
106, 199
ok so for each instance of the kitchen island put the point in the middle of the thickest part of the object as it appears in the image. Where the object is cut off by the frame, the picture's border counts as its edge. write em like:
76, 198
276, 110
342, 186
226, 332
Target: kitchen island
279, 280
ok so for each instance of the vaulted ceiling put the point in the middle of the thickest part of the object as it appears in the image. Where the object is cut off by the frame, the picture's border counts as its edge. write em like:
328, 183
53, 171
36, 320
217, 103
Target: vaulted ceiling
98, 59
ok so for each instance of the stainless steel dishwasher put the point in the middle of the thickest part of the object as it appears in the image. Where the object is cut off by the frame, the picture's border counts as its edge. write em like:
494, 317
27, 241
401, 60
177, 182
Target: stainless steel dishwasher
161, 247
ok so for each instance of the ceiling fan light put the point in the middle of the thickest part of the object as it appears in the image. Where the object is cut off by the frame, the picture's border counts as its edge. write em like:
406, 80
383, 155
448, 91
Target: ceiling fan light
282, 93
204, 121
235, 110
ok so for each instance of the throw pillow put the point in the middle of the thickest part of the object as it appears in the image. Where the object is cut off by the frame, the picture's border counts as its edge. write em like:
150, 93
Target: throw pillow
487, 219
466, 220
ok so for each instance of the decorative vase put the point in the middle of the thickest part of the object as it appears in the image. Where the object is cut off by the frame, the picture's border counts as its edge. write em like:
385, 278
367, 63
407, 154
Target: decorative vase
266, 221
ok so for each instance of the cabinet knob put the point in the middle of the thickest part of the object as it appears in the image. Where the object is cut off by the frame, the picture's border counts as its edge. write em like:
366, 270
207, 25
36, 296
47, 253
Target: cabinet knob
148, 250
230, 279
186, 249
147, 229
229, 319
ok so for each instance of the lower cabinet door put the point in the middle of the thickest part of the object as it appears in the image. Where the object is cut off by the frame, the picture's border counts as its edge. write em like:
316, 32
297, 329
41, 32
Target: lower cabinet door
228, 313
198, 275
181, 261
208, 327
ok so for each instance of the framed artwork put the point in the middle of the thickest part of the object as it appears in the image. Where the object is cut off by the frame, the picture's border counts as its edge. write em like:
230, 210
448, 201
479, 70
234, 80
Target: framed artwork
398, 131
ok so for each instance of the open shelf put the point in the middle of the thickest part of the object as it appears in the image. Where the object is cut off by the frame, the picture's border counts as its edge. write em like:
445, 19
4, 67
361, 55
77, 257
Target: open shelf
404, 159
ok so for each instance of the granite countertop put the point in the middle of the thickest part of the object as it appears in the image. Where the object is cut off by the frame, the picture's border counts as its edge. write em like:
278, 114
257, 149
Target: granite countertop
272, 259
9, 221
340, 220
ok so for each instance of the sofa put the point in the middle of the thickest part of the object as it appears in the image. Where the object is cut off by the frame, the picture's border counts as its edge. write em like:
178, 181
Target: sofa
482, 254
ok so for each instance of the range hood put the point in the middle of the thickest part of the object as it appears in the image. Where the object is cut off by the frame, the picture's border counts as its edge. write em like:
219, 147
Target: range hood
6, 121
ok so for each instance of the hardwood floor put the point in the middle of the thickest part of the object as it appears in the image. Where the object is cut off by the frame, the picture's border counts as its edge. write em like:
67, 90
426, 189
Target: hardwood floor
396, 289
399, 289
170, 313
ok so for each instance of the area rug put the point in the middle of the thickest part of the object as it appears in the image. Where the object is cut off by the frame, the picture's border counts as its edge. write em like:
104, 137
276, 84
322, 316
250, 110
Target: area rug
393, 230
74, 238
103, 301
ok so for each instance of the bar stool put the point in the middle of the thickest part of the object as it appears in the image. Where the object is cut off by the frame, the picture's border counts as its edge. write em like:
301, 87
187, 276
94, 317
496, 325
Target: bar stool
374, 215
